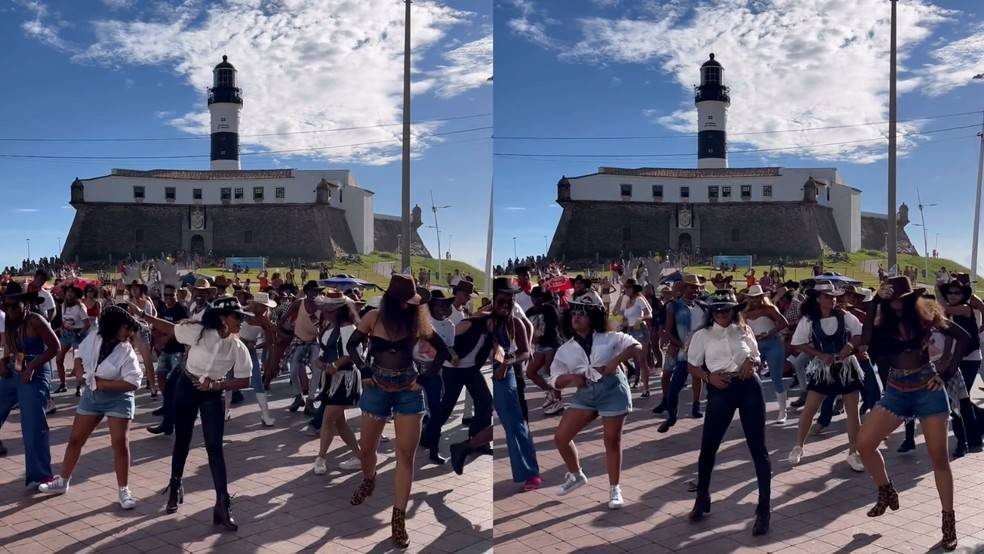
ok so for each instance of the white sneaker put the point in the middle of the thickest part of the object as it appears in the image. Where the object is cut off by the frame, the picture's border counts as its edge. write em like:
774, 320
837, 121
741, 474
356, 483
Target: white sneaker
320, 466
615, 500
267, 421
127, 501
55, 485
228, 416
854, 460
571, 482
795, 455
555, 407
817, 429
781, 418
548, 401
350, 464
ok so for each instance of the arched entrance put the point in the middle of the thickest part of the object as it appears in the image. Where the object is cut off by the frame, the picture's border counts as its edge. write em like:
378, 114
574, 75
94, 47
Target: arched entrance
685, 243
197, 244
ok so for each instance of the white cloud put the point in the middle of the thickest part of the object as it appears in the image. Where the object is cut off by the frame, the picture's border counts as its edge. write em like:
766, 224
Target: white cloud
790, 64
46, 25
27, 210
302, 66
117, 4
527, 24
955, 64
469, 66
514, 208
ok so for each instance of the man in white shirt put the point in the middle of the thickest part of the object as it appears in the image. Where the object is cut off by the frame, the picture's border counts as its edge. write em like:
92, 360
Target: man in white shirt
47, 306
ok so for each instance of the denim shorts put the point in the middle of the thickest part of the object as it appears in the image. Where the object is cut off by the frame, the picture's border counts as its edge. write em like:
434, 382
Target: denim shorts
545, 349
641, 334
610, 396
382, 404
168, 361
917, 403
71, 338
394, 378
104, 403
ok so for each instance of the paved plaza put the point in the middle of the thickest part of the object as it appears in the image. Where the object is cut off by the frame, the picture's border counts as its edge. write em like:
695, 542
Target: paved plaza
818, 507
279, 504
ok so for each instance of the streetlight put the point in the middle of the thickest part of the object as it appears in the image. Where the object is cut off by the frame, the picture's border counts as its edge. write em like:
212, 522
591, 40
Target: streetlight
515, 255
892, 117
437, 228
546, 248
922, 217
29, 250
405, 211
977, 204
449, 245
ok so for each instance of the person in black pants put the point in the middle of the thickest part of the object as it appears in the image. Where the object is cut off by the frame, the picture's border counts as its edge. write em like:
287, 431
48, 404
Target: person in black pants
725, 355
215, 349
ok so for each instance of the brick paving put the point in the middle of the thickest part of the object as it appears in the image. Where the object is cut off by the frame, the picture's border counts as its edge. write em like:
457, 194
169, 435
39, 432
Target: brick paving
818, 507
279, 504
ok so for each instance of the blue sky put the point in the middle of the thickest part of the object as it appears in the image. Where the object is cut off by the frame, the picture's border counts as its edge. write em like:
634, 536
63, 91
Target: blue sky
603, 68
132, 69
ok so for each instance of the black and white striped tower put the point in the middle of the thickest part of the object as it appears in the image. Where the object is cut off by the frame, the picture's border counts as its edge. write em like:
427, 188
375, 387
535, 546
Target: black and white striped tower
712, 99
225, 101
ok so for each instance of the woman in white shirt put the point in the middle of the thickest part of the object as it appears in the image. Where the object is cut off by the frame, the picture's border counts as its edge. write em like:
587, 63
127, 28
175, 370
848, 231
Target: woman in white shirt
725, 355
107, 362
215, 349
590, 362
637, 316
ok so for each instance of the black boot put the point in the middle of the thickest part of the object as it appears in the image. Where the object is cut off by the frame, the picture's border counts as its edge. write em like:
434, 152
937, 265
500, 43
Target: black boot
159, 429
910, 438
665, 426
435, 457
701, 506
799, 402
175, 495
222, 515
3, 449
297, 404
158, 411
459, 453
696, 410
761, 525
237, 397
660, 408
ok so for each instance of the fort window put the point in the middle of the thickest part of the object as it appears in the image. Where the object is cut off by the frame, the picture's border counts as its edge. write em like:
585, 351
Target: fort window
626, 191
281, 192
248, 237
138, 193
658, 192
726, 192
685, 192
196, 194
767, 191
735, 235
169, 194
258, 194
238, 193
226, 194
746, 192
139, 236
712, 193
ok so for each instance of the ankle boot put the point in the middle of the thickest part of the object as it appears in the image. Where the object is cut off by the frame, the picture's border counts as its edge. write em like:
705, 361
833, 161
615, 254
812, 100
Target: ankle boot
887, 498
459, 453
799, 402
949, 542
221, 514
175, 492
399, 528
701, 506
761, 525
364, 491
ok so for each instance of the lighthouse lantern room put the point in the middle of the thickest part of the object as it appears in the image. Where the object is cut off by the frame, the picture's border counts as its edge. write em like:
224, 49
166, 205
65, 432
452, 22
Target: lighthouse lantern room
225, 102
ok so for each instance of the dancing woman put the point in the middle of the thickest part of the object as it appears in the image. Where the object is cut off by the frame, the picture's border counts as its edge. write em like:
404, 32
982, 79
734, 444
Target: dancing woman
215, 349
109, 365
898, 329
725, 355
389, 386
826, 332
637, 317
590, 362
767, 324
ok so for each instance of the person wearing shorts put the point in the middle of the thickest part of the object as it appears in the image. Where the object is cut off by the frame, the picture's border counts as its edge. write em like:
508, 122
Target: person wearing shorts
109, 365
591, 361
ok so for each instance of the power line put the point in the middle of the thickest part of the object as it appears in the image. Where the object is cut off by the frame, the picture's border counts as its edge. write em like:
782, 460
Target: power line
747, 151
203, 137
263, 153
730, 133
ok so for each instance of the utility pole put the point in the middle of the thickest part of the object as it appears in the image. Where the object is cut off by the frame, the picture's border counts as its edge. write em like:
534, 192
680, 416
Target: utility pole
893, 232
977, 213
437, 228
28, 249
405, 214
922, 217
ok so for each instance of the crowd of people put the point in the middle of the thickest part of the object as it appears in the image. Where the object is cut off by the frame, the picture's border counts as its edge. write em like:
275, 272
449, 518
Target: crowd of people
881, 357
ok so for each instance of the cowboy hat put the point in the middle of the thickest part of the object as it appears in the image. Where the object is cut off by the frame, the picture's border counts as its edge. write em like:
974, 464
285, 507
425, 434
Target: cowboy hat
221, 282
965, 289
590, 299
15, 291
229, 305
403, 288
694, 280
755, 291
723, 300
464, 286
504, 284
900, 288
437, 297
827, 288
311, 285
138, 283
263, 299
204, 284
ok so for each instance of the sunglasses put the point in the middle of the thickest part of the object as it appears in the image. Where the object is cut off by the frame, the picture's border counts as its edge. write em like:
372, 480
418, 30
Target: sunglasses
504, 302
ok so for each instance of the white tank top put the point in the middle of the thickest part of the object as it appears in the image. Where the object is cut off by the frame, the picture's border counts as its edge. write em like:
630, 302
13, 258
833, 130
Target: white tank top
761, 325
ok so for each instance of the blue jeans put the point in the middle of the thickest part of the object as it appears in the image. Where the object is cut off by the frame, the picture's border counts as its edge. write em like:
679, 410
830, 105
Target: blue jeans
433, 389
827, 411
256, 377
312, 350
774, 355
168, 362
33, 400
677, 382
519, 443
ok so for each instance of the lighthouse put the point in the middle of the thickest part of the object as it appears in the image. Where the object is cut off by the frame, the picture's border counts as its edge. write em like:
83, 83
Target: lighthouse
712, 100
225, 101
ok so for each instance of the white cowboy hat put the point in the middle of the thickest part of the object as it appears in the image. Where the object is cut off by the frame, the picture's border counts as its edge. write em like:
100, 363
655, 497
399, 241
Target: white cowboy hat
754, 291
263, 299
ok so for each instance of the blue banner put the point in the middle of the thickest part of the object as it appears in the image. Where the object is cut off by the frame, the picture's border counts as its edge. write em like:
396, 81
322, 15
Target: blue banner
250, 263
728, 261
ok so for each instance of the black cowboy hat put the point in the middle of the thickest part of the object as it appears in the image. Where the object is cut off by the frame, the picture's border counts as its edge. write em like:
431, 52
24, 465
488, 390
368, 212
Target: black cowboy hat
15, 291
504, 284
464, 286
311, 285
118, 313
437, 297
901, 289
138, 283
403, 288
590, 299
966, 290
229, 305
724, 299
